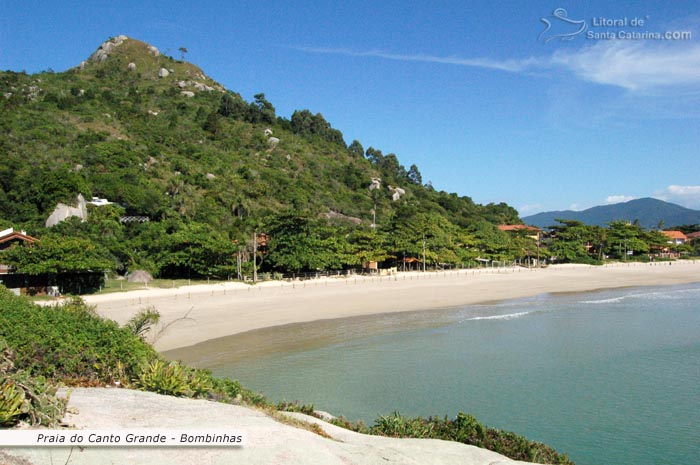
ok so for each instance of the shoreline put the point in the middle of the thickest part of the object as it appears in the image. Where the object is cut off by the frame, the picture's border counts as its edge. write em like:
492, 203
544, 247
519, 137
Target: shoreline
194, 314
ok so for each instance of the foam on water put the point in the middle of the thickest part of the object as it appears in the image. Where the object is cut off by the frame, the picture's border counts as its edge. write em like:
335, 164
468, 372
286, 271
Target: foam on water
508, 316
608, 376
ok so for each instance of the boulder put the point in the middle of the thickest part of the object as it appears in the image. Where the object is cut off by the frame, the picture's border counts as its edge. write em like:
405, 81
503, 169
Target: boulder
163, 73
131, 66
103, 52
63, 212
187, 93
202, 87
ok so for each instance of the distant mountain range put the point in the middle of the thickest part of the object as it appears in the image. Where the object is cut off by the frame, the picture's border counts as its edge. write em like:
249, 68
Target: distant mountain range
649, 212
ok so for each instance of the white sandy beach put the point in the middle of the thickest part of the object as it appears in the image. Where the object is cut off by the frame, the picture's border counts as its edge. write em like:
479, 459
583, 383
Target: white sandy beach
220, 310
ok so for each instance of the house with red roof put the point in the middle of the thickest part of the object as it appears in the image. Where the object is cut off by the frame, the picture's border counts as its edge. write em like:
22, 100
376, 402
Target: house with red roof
675, 237
8, 278
692, 236
531, 231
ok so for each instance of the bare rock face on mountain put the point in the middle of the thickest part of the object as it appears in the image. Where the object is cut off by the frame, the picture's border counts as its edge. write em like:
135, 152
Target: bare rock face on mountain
102, 53
63, 212
107, 48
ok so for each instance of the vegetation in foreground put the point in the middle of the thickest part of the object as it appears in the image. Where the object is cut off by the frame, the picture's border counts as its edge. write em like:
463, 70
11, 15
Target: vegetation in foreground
44, 348
463, 428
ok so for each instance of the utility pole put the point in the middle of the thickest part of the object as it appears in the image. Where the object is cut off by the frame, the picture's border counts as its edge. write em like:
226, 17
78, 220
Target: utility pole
423, 252
255, 256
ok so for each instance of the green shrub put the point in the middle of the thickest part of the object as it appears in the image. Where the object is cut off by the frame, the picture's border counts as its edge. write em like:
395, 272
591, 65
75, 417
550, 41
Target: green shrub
226, 390
398, 426
199, 383
12, 402
70, 342
142, 323
163, 378
468, 430
358, 427
178, 380
285, 406
31, 399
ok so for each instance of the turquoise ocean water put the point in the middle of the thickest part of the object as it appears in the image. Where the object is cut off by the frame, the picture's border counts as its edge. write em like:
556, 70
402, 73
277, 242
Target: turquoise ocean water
609, 377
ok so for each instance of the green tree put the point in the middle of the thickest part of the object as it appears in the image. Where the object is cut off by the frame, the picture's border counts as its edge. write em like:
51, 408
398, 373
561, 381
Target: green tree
261, 110
414, 175
569, 241
54, 255
356, 149
301, 243
195, 250
625, 240
232, 105
489, 242
75, 265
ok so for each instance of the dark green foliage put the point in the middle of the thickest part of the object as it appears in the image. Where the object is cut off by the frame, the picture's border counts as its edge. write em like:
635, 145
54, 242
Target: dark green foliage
233, 106
356, 149
71, 344
573, 241
468, 430
75, 265
414, 175
285, 406
307, 124
69, 341
55, 254
302, 243
201, 170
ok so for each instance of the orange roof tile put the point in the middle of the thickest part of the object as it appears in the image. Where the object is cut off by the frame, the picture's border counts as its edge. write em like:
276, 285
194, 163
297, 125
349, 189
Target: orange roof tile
675, 235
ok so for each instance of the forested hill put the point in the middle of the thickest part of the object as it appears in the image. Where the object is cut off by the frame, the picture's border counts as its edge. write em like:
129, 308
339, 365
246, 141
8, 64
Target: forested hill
161, 140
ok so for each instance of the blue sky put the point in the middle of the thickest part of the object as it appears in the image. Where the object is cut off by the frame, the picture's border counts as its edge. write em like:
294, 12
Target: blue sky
478, 94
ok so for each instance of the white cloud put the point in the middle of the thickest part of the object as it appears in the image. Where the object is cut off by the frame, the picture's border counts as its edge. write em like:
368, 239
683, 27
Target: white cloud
530, 209
634, 65
687, 196
618, 198
511, 65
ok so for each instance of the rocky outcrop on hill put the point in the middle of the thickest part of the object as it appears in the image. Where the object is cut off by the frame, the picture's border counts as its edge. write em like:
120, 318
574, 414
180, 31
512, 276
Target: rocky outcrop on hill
104, 50
63, 212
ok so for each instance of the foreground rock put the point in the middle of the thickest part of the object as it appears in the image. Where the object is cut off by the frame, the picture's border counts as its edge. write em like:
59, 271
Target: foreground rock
269, 441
